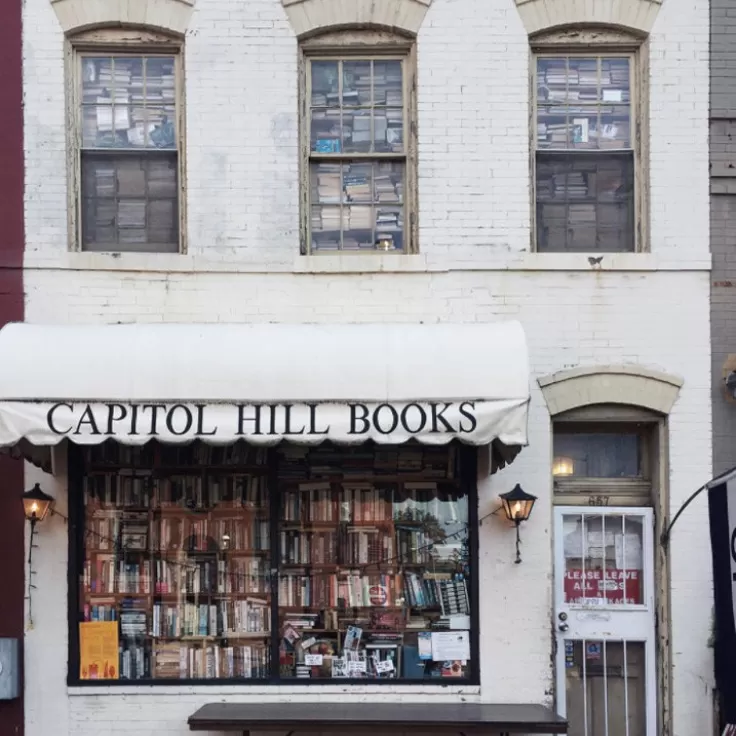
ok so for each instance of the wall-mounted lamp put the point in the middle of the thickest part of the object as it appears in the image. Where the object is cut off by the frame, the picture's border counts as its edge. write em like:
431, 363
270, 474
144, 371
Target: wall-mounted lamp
517, 505
36, 506
562, 466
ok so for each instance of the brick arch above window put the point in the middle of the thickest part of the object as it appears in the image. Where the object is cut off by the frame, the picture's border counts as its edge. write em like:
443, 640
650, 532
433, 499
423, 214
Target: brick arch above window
634, 15
309, 17
167, 15
629, 385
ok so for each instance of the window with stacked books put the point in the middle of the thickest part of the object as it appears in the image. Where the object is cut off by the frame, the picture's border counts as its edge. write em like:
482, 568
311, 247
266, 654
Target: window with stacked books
584, 154
128, 145
357, 154
243, 563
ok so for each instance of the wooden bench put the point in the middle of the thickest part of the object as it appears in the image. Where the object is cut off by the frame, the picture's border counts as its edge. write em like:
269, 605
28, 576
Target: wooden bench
461, 719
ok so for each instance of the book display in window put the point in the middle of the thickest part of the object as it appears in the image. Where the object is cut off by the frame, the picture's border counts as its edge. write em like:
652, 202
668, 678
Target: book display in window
373, 563
178, 552
585, 163
129, 158
356, 117
244, 563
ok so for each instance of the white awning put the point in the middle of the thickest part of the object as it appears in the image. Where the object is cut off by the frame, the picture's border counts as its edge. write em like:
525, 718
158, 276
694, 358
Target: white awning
263, 383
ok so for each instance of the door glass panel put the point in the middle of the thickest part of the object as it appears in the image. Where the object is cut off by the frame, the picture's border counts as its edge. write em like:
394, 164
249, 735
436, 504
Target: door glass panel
603, 559
606, 688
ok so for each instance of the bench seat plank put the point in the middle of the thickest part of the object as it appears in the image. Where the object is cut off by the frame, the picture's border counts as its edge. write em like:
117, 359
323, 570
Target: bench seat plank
465, 718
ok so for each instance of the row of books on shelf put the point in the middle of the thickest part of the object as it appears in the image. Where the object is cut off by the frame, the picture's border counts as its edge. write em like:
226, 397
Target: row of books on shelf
438, 590
343, 590
140, 489
346, 546
108, 575
212, 535
224, 618
238, 575
193, 454
177, 660
312, 462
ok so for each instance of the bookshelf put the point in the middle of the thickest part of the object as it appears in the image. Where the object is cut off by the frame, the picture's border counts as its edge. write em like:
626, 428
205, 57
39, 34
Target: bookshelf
128, 150
177, 550
253, 564
357, 151
373, 561
584, 161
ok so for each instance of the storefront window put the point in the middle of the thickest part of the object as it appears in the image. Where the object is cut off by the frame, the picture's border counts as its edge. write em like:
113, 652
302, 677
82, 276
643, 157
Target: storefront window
204, 563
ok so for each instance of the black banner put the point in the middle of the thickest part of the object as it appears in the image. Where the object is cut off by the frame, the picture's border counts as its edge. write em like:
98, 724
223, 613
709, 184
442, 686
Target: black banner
723, 545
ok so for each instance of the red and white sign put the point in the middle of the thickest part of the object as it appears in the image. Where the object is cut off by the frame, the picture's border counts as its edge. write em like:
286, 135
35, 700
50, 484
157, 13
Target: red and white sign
592, 587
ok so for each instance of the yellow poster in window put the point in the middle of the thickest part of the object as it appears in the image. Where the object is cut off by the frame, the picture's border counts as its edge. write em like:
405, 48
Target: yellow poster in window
98, 650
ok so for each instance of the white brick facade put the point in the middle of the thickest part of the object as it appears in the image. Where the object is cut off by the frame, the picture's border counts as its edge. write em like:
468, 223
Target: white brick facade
242, 264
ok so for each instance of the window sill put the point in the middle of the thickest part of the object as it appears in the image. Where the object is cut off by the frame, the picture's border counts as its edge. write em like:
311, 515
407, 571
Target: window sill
372, 263
436, 690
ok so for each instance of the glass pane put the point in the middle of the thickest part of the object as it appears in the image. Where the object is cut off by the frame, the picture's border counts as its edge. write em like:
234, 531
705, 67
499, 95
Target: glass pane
178, 562
325, 222
388, 83
326, 183
128, 102
388, 182
551, 80
366, 115
603, 560
325, 131
552, 127
370, 194
160, 127
356, 83
605, 688
615, 127
585, 186
389, 227
160, 78
357, 131
131, 202
615, 80
371, 569
357, 179
325, 83
583, 102
599, 454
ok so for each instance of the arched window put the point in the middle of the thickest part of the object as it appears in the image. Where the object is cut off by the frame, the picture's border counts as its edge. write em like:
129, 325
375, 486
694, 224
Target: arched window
358, 138
125, 130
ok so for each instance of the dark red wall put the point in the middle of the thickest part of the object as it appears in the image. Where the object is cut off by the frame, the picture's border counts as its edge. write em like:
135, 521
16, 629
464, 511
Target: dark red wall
11, 310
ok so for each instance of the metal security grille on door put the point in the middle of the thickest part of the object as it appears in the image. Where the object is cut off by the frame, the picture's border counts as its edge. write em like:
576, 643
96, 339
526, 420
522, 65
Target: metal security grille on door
605, 622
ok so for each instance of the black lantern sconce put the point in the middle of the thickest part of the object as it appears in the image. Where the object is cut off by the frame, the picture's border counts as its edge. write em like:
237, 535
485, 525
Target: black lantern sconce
517, 505
36, 506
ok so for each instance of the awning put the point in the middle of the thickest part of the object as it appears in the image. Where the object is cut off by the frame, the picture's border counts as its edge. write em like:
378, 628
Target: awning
263, 383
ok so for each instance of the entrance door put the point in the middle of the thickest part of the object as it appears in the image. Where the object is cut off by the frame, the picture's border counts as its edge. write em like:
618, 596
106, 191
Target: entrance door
604, 620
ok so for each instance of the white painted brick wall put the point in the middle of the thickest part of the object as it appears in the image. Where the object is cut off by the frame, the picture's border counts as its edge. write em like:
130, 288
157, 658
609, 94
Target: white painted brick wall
242, 161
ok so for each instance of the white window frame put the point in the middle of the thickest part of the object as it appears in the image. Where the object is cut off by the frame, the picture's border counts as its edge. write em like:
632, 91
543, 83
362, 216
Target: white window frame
121, 43
360, 46
598, 43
